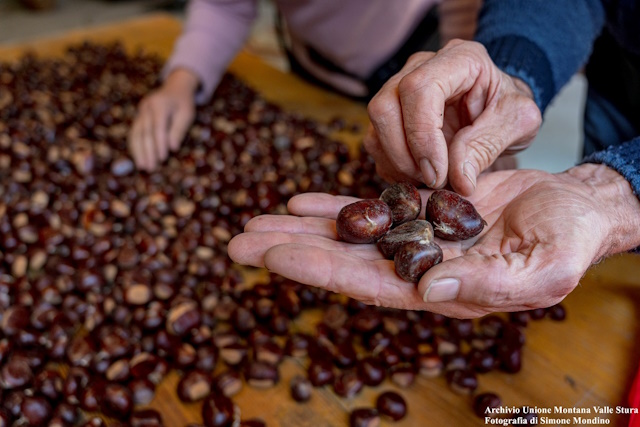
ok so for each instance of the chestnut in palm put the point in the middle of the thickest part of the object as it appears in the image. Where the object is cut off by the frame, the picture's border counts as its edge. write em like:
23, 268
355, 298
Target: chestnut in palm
453, 217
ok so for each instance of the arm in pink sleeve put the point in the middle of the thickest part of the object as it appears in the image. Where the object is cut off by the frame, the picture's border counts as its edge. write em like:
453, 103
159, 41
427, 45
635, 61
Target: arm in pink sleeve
214, 32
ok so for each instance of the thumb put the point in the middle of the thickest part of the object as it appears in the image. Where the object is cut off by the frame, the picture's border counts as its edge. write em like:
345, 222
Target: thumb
476, 283
509, 127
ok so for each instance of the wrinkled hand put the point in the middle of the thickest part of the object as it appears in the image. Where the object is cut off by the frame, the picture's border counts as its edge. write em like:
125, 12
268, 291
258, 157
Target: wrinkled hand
447, 116
543, 233
163, 119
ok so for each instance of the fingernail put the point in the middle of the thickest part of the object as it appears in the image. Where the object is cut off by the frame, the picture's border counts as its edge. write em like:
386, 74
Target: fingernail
469, 171
428, 172
442, 290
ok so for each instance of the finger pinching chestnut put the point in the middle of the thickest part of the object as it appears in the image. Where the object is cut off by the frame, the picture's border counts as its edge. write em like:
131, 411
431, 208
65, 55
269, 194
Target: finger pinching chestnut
391, 222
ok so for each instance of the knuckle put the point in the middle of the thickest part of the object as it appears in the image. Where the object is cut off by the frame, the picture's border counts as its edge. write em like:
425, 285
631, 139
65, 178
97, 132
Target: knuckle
371, 146
411, 83
378, 107
418, 57
453, 43
529, 116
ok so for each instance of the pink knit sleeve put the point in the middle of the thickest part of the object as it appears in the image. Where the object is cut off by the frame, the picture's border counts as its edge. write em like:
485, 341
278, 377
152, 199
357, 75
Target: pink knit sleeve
213, 33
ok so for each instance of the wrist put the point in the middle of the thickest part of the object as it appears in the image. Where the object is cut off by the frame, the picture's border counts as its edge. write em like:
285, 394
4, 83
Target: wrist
619, 206
182, 80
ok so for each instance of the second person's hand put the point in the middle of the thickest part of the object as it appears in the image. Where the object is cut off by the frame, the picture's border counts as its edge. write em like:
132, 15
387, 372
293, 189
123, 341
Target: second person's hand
447, 116
163, 119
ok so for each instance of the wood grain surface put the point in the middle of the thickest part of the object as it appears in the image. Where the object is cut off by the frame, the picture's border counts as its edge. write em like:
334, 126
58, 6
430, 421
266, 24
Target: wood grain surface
590, 359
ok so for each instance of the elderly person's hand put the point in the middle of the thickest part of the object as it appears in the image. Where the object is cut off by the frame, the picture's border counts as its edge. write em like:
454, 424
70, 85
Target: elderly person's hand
543, 233
163, 119
447, 116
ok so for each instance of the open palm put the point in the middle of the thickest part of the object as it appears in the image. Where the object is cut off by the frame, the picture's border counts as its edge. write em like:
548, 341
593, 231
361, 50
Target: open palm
541, 236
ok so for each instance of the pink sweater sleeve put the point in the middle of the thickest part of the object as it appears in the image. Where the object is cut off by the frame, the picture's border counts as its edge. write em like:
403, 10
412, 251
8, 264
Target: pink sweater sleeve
214, 31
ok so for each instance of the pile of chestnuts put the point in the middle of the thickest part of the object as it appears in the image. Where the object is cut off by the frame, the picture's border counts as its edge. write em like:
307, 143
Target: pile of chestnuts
110, 277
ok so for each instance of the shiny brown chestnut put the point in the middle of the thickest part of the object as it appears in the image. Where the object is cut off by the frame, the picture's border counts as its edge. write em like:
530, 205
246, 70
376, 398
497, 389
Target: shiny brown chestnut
364, 221
392, 405
364, 417
300, 388
413, 259
412, 231
193, 386
453, 217
404, 200
217, 411
485, 401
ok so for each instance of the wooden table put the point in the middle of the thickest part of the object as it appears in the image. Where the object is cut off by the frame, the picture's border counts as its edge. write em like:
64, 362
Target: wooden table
590, 359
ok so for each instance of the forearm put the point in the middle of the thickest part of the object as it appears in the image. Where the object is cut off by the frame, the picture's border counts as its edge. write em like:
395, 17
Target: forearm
214, 32
541, 42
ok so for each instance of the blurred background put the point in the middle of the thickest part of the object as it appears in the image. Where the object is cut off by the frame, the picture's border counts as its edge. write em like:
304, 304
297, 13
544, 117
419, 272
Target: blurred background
557, 147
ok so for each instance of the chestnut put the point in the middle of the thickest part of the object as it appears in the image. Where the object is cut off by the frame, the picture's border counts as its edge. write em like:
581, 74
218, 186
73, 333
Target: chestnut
146, 418
217, 411
462, 381
412, 231
413, 259
300, 388
484, 401
404, 200
320, 373
371, 370
453, 217
117, 401
391, 404
227, 382
261, 374
347, 384
193, 386
35, 410
364, 221
364, 417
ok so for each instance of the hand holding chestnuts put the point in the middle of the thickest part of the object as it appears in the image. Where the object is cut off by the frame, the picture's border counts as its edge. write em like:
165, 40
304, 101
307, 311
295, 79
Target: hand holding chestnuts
391, 222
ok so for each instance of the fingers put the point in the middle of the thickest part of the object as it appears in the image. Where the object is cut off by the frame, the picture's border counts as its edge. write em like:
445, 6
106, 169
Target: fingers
250, 248
373, 282
145, 131
161, 124
148, 148
180, 123
160, 142
292, 224
389, 147
508, 120
449, 115
134, 142
320, 205
424, 94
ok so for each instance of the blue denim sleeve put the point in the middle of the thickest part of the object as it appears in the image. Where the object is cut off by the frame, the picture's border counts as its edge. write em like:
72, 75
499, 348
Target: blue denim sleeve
542, 42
